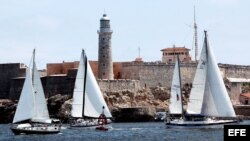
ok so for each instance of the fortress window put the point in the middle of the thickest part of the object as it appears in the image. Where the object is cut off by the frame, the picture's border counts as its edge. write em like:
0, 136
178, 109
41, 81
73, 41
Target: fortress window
103, 73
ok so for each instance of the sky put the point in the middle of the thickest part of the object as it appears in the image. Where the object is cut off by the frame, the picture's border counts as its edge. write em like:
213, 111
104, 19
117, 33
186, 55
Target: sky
60, 29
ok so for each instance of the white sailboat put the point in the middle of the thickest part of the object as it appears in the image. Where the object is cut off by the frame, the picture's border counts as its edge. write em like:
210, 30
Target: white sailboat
88, 102
32, 116
209, 102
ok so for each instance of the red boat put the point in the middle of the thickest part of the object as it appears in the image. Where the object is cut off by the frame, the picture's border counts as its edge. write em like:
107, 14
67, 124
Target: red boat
102, 128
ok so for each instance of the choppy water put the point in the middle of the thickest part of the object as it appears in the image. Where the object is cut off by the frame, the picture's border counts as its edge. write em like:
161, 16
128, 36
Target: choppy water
145, 131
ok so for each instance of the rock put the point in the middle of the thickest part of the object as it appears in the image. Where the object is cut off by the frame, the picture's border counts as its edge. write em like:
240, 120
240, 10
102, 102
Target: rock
161, 93
55, 102
65, 111
7, 110
141, 114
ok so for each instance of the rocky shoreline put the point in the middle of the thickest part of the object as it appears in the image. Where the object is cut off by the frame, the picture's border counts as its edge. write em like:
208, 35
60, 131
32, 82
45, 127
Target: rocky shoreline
125, 105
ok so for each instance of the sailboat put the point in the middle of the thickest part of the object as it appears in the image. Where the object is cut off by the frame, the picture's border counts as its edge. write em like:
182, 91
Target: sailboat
209, 102
32, 116
88, 105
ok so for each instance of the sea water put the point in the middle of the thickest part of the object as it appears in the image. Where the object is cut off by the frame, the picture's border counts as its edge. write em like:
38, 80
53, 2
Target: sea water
142, 131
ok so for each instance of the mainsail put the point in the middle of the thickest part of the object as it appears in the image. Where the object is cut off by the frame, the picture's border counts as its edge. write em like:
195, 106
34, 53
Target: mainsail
87, 97
175, 106
209, 96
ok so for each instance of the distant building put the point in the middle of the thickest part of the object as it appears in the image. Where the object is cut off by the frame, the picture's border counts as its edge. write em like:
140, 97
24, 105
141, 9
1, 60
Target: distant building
235, 85
169, 54
245, 98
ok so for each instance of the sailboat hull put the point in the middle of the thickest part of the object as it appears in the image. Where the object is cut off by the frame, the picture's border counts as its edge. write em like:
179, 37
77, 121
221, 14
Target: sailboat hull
36, 129
86, 123
208, 122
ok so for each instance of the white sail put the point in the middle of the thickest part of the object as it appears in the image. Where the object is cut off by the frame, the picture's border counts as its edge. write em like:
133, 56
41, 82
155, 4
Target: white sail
198, 87
93, 100
77, 103
219, 100
209, 96
32, 103
25, 106
175, 106
41, 114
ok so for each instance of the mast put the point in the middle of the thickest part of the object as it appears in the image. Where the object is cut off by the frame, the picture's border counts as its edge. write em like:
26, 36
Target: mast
179, 70
33, 67
174, 59
84, 85
195, 37
206, 43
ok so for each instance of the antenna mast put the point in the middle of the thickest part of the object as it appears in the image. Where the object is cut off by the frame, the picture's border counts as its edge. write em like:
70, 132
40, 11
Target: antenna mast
195, 37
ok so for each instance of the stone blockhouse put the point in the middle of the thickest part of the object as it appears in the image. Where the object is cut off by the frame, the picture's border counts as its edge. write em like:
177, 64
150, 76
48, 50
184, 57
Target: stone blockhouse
61, 68
169, 54
235, 89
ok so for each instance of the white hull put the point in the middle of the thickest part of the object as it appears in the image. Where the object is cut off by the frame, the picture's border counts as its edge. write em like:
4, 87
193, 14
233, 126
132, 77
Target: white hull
36, 128
86, 123
207, 122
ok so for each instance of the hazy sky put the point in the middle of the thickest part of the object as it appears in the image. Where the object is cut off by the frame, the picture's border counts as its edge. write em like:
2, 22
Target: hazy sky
59, 29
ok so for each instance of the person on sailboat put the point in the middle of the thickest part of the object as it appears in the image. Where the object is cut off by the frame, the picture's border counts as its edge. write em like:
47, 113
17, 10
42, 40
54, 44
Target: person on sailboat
102, 120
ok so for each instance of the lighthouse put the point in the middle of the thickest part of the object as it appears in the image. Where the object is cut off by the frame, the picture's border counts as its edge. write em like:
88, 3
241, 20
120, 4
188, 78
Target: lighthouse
105, 64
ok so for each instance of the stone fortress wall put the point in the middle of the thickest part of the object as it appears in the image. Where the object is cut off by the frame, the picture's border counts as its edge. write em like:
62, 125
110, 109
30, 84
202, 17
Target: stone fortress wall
157, 74
133, 77
118, 85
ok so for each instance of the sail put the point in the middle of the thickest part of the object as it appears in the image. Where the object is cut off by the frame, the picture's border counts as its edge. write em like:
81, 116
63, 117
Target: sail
94, 100
77, 103
194, 105
32, 99
209, 96
41, 114
90, 101
25, 106
175, 106
218, 97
